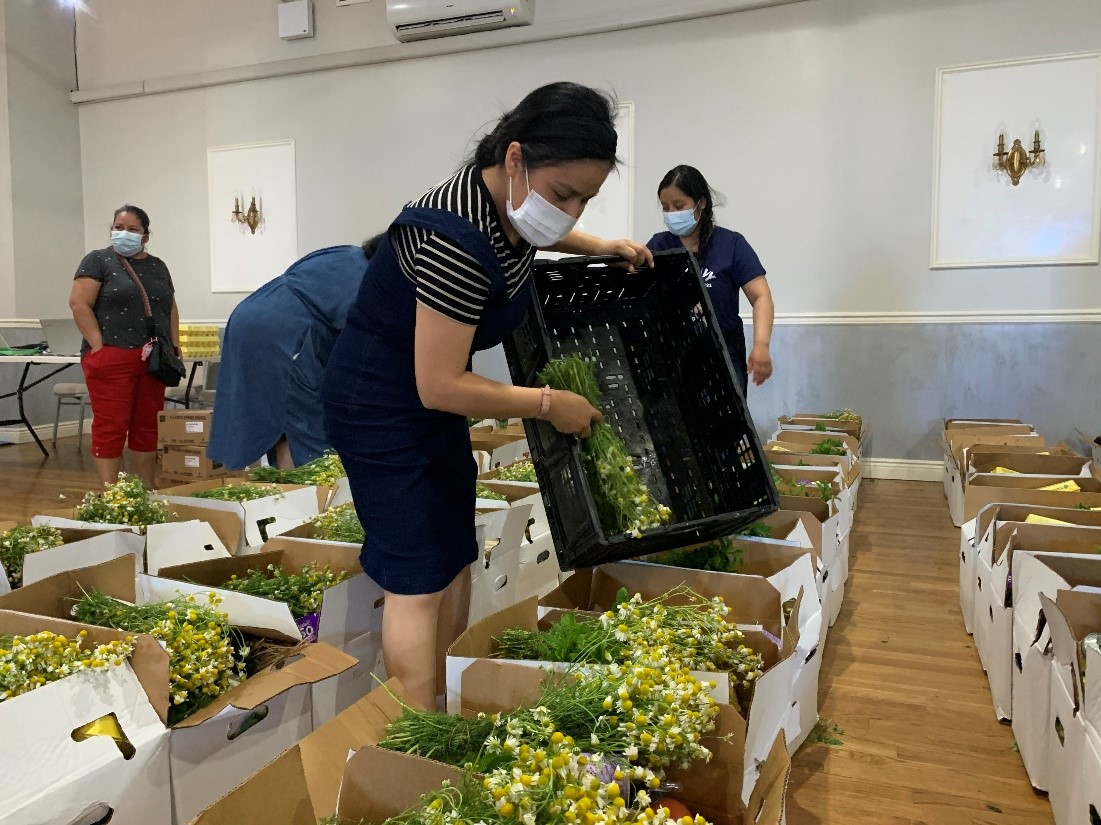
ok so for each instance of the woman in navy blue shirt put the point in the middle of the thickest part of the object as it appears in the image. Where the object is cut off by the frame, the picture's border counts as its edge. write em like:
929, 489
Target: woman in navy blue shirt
728, 264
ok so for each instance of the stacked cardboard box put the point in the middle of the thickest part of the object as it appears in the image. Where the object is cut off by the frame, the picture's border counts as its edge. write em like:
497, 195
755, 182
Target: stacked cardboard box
183, 436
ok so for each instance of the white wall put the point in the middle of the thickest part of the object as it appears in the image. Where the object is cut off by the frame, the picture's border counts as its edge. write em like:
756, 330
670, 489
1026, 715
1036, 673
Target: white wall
43, 132
815, 120
7, 237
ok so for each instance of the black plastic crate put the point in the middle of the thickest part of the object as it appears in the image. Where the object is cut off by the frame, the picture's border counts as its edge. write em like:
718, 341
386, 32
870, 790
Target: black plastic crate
669, 392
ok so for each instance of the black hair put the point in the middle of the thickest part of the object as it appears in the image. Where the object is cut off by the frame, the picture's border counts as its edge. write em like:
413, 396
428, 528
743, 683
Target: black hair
137, 212
556, 123
371, 245
691, 182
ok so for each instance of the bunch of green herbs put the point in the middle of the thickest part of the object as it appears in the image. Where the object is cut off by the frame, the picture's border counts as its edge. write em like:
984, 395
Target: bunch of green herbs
127, 501
339, 523
623, 504
302, 592
18, 543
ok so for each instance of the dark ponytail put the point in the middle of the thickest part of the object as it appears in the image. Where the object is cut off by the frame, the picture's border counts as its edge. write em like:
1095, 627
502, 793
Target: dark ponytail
691, 182
557, 123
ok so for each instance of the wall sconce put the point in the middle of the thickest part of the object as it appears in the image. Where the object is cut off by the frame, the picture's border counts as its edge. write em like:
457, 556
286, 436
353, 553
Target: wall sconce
1017, 161
250, 218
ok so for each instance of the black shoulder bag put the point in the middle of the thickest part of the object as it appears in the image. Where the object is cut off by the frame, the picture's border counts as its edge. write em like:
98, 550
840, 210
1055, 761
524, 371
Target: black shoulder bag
162, 363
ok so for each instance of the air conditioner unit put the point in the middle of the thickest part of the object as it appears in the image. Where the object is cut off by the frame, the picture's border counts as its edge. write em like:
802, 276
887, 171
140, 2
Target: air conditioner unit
424, 19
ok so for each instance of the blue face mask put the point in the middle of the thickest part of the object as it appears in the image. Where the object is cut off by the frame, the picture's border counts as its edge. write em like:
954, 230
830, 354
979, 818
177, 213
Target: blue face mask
126, 243
681, 223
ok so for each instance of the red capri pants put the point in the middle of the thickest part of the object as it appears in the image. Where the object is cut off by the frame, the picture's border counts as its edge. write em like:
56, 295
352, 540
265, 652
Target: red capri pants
125, 401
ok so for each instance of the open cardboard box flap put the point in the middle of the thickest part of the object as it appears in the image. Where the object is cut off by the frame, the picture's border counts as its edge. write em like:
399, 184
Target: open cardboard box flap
752, 600
226, 525
379, 784
1071, 616
302, 786
1020, 512
1011, 537
1028, 463
310, 664
148, 660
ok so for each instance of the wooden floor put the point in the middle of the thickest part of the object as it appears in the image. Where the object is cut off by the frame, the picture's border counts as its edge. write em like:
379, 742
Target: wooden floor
900, 677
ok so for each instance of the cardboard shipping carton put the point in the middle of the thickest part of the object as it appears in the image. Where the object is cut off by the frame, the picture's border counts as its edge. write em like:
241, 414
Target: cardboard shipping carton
190, 534
259, 519
1036, 575
995, 573
219, 746
184, 428
55, 769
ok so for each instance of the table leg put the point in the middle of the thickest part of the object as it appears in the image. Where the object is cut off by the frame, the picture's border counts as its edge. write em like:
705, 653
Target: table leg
190, 384
23, 413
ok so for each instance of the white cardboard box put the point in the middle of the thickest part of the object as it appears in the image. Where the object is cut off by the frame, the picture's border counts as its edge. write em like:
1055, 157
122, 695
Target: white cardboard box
215, 748
259, 519
1031, 700
333, 696
978, 536
1036, 575
177, 541
539, 570
348, 609
50, 777
1071, 616
993, 620
754, 602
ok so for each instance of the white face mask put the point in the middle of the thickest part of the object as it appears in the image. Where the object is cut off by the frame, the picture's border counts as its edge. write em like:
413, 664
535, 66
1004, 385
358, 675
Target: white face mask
538, 221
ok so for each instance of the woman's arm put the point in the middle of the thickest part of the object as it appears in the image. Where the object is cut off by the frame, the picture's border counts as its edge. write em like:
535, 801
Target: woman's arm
760, 360
580, 243
82, 301
441, 346
174, 326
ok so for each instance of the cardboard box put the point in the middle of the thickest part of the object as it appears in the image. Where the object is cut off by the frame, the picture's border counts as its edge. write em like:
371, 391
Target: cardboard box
243, 729
754, 602
49, 776
1028, 463
792, 571
812, 420
1035, 575
809, 438
189, 464
977, 531
306, 783
539, 571
524, 496
260, 519
725, 791
842, 495
335, 695
1008, 489
993, 619
1071, 616
829, 545
184, 428
301, 786
495, 578
786, 454
190, 534
348, 609
983, 458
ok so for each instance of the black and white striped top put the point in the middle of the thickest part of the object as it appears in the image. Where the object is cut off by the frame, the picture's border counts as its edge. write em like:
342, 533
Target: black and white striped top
449, 280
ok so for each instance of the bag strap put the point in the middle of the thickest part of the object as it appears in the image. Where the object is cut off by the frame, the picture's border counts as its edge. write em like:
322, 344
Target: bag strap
146, 308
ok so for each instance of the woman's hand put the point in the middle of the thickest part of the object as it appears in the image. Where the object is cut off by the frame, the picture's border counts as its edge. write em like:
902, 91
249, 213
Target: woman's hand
571, 414
759, 366
634, 253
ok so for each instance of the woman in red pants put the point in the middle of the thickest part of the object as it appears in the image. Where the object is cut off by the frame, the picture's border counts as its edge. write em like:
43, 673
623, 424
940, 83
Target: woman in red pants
108, 309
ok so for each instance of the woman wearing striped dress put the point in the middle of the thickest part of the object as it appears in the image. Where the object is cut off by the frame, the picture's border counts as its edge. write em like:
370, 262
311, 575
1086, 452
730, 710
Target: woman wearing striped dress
453, 277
